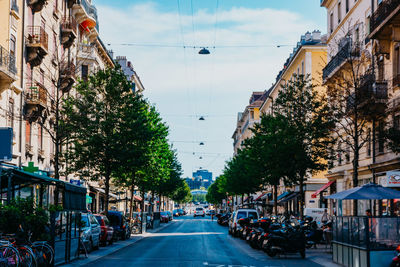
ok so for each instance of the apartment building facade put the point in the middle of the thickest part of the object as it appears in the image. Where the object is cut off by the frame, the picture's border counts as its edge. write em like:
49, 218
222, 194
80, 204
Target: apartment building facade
308, 58
362, 39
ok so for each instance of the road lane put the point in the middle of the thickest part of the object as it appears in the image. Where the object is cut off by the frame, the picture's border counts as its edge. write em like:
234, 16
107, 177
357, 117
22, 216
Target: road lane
196, 242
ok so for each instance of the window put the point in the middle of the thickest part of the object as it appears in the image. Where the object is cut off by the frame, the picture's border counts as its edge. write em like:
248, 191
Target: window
11, 113
28, 132
55, 43
339, 156
40, 137
381, 69
397, 60
13, 45
347, 152
347, 6
367, 23
41, 77
302, 67
331, 22
339, 12
85, 72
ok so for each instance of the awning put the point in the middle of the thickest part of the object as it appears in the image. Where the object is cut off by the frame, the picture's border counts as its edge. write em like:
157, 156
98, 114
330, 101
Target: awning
259, 196
325, 186
284, 194
74, 197
104, 192
266, 196
289, 197
137, 198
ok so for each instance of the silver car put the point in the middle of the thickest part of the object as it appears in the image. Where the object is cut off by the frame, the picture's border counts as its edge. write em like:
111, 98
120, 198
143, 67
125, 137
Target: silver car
91, 230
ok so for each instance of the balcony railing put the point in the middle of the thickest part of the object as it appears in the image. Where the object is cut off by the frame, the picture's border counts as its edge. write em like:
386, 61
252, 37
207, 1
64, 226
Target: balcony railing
90, 10
37, 36
68, 70
36, 94
349, 50
383, 11
68, 24
7, 61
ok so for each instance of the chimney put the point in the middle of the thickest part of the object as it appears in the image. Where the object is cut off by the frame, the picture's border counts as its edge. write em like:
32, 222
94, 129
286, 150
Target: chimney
308, 36
316, 35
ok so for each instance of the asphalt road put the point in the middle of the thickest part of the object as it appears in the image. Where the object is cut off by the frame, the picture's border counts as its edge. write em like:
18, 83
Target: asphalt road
196, 242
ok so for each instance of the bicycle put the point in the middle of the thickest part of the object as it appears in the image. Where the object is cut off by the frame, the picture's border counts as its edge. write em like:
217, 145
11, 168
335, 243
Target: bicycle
26, 255
9, 255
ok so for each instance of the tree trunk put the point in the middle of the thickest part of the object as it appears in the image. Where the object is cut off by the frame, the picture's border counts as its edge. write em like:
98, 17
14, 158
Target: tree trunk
107, 190
301, 196
131, 202
275, 199
355, 161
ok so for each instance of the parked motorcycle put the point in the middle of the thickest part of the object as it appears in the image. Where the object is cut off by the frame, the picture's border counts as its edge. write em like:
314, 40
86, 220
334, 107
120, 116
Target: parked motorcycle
289, 239
313, 234
396, 260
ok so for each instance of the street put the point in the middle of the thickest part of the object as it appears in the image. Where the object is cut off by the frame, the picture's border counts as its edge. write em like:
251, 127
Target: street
194, 242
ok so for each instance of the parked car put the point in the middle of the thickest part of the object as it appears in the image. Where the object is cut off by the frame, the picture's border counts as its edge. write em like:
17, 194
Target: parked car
199, 212
208, 212
181, 212
176, 213
164, 217
91, 230
120, 225
107, 232
170, 217
234, 227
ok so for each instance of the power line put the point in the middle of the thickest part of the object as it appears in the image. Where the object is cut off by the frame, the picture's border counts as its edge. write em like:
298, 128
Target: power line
166, 45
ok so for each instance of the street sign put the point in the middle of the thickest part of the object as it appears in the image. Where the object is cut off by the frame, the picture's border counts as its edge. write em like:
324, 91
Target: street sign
6, 136
75, 182
393, 179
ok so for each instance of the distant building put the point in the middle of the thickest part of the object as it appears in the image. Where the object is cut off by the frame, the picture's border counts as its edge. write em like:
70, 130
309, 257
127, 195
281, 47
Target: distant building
204, 176
127, 67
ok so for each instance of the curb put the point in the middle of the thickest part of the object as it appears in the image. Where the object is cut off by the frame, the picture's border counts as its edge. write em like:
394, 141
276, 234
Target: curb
95, 255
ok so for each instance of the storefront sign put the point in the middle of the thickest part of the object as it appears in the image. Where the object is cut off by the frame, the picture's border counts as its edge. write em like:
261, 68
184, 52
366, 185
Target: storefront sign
393, 179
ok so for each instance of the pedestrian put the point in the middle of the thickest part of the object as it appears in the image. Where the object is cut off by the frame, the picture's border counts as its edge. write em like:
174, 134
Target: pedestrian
212, 216
326, 217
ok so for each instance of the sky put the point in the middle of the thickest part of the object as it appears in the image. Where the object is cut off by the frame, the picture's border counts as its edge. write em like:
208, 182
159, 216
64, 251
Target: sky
162, 39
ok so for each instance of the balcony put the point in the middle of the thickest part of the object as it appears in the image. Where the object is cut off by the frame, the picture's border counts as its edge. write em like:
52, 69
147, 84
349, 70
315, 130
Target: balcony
67, 76
86, 16
36, 44
86, 53
36, 100
371, 99
36, 5
71, 3
68, 31
395, 104
387, 13
8, 70
349, 51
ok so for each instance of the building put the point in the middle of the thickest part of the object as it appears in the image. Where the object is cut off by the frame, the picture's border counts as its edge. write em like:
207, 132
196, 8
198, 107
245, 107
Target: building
131, 75
307, 58
247, 118
11, 73
365, 32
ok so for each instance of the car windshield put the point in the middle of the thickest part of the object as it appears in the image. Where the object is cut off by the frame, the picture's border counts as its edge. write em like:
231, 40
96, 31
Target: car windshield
199, 209
163, 213
114, 220
241, 214
98, 218
252, 215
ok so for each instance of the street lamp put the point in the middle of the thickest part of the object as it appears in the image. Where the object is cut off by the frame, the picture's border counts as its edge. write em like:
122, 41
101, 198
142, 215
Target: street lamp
201, 118
204, 51
201, 143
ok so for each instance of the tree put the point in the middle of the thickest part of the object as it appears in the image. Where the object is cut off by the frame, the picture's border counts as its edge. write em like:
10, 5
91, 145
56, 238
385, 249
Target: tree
182, 194
214, 196
93, 118
310, 118
272, 150
352, 91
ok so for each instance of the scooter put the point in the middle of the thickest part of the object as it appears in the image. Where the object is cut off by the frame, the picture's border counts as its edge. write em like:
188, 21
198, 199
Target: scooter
289, 239
396, 260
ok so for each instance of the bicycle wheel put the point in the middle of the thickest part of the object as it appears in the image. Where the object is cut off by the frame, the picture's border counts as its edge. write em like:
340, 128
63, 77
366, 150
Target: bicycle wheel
44, 252
9, 256
28, 258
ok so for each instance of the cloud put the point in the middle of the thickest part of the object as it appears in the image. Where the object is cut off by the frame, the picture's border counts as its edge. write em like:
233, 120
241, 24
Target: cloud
179, 81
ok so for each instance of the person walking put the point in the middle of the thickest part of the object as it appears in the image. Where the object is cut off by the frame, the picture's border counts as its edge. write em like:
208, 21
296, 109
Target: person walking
326, 217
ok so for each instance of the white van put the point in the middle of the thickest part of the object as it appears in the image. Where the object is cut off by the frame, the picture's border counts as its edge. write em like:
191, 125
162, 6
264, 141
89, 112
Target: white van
240, 213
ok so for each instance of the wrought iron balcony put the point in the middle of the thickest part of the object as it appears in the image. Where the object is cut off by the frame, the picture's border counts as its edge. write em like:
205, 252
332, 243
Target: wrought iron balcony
348, 51
70, 3
36, 5
86, 15
37, 45
86, 52
385, 13
68, 31
8, 70
67, 76
36, 100
370, 99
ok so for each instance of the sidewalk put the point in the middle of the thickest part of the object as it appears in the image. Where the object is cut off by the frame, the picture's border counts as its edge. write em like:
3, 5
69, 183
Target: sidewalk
104, 251
321, 255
